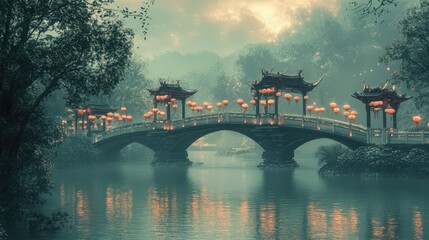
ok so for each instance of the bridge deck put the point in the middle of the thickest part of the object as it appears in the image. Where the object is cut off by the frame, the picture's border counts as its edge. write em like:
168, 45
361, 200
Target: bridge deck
357, 132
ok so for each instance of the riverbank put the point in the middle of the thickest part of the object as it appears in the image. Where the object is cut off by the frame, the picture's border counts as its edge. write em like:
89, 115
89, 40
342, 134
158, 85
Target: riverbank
378, 160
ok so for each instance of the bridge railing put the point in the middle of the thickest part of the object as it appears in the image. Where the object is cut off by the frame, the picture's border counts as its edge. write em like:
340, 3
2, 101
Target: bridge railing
291, 120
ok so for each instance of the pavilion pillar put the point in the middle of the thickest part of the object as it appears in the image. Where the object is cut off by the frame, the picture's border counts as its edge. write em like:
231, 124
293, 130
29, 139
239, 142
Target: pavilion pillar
266, 105
394, 118
384, 119
155, 104
257, 103
168, 112
304, 104
183, 108
368, 115
276, 106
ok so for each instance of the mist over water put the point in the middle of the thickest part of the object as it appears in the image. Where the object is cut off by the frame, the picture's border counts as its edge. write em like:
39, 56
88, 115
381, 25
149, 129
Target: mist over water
229, 198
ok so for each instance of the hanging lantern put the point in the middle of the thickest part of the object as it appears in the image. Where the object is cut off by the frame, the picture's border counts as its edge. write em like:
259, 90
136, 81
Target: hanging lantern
271, 102
192, 109
263, 102
103, 117
146, 116
166, 105
240, 101
278, 94
417, 120
162, 113
205, 104
219, 105
296, 98
225, 102
129, 118
336, 110
351, 117
322, 109
390, 111
193, 104
123, 109
188, 103
80, 122
346, 107
173, 100
288, 97
124, 116
155, 110
310, 108
120, 119
116, 115
110, 114
209, 108
317, 110
305, 97
92, 118
109, 119
332, 105
245, 106
253, 102
346, 114
353, 113
199, 109
175, 106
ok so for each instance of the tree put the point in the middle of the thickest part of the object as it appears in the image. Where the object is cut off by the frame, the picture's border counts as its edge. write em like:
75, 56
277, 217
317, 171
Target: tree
373, 7
412, 50
330, 153
78, 46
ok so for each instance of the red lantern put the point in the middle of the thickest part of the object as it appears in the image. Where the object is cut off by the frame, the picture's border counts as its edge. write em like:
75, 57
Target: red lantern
417, 120
271, 102
109, 119
278, 94
219, 105
175, 106
253, 102
352, 117
155, 110
353, 113
205, 104
193, 104
288, 97
245, 106
305, 97
225, 102
296, 98
123, 109
336, 110
129, 118
240, 101
346, 114
103, 117
332, 105
346, 107
263, 102
209, 108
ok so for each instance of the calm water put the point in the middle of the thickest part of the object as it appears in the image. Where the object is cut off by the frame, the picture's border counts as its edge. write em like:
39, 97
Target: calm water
229, 198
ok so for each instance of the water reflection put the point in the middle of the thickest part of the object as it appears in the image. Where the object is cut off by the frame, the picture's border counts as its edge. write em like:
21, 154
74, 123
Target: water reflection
199, 203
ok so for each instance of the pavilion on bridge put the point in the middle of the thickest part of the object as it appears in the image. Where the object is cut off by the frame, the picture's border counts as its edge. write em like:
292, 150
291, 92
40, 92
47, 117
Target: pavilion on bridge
278, 82
382, 98
168, 94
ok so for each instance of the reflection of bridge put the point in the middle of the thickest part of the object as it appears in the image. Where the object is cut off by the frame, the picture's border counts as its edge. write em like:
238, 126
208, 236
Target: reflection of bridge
279, 137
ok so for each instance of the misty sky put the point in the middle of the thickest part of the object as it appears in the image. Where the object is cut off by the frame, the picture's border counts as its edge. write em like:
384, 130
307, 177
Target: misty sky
219, 26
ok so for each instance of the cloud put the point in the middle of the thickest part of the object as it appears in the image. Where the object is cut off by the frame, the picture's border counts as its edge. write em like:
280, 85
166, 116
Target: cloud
221, 26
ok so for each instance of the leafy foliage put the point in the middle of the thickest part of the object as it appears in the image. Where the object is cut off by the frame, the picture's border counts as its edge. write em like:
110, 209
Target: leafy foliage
381, 159
412, 50
330, 153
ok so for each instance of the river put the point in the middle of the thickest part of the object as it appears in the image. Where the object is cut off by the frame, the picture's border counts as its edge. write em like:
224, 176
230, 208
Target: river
229, 198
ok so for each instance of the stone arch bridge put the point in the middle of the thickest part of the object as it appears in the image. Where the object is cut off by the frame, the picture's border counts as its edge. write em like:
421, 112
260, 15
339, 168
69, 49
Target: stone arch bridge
278, 136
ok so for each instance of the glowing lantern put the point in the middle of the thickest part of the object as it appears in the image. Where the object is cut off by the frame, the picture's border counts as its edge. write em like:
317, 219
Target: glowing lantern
161, 113
166, 105
225, 102
332, 105
296, 98
192, 109
124, 117
123, 109
271, 102
245, 106
109, 119
193, 104
263, 102
80, 122
322, 109
353, 113
240, 101
278, 94
346, 114
173, 100
120, 119
209, 108
288, 97
155, 110
92, 118
146, 116
346, 107
110, 114
188, 103
116, 115
390, 111
219, 105
129, 118
305, 97
253, 102
175, 106
310, 108
103, 117
205, 104
317, 110
199, 109
336, 110
351, 117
